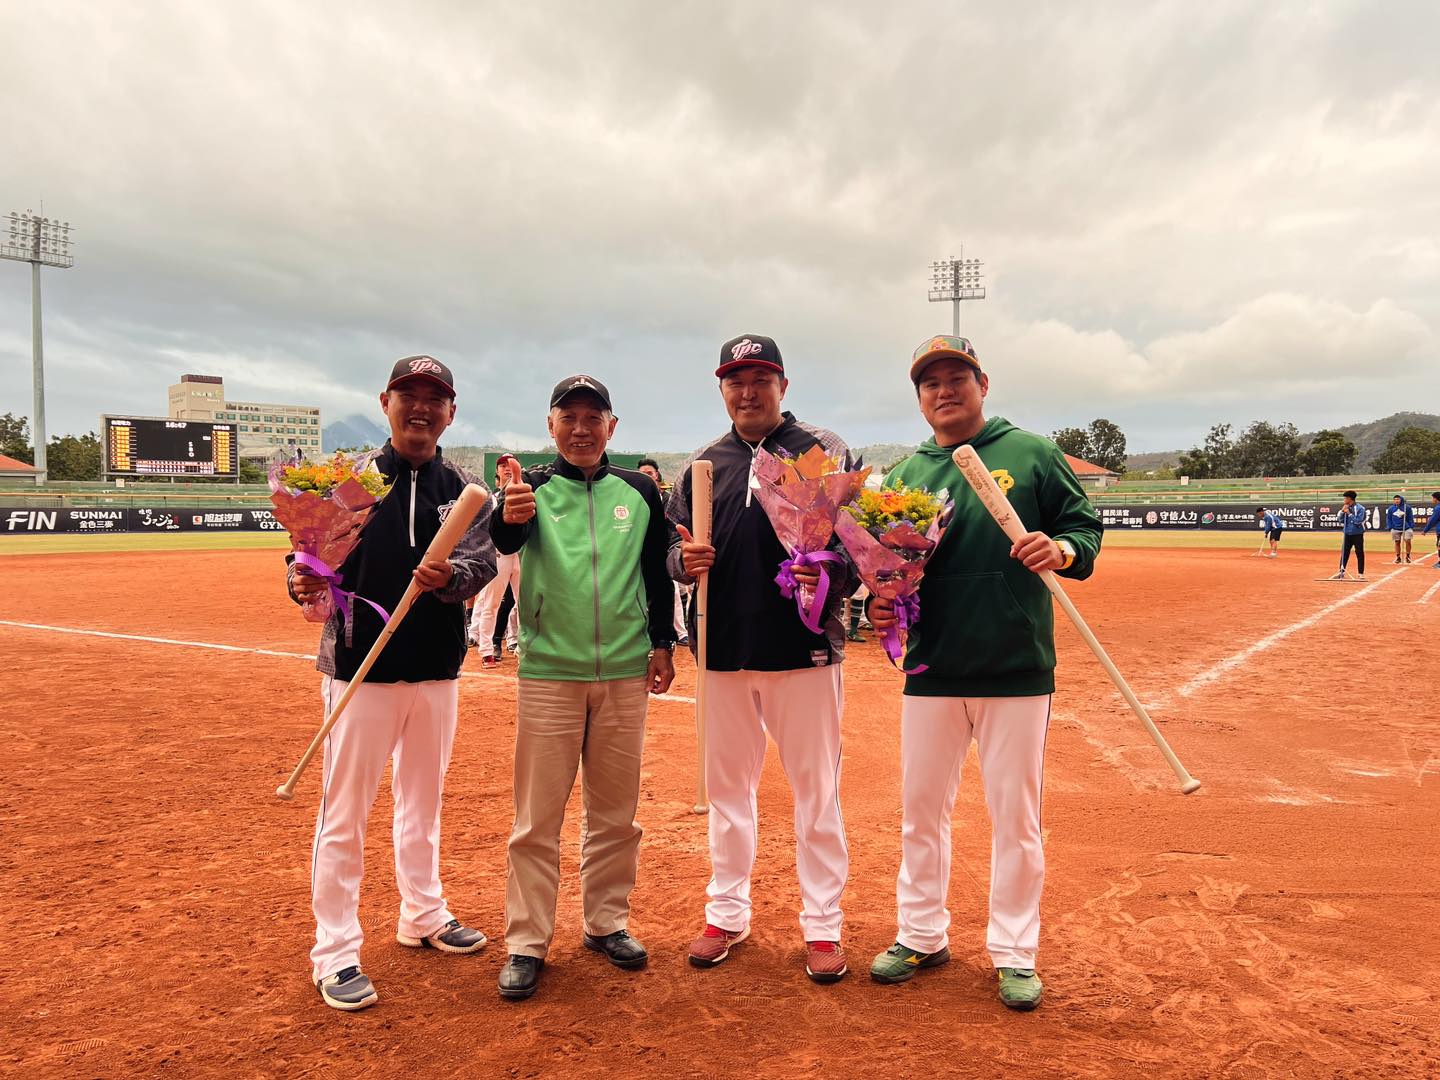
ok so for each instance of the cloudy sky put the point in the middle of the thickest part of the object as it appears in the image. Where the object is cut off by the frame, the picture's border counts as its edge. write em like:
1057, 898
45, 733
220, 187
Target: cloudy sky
1188, 213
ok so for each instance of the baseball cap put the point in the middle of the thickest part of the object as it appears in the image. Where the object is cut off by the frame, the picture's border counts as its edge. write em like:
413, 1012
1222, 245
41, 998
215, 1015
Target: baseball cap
567, 386
938, 348
750, 350
422, 367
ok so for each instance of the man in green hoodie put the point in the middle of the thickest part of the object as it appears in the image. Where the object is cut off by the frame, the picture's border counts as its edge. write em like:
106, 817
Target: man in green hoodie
983, 656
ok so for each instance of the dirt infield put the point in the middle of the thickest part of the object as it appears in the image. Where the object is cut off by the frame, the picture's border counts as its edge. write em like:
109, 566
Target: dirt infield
1281, 922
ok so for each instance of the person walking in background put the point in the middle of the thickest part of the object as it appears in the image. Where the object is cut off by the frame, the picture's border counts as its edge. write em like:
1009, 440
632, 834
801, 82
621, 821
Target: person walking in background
1272, 524
1434, 523
482, 619
1400, 520
651, 468
1352, 520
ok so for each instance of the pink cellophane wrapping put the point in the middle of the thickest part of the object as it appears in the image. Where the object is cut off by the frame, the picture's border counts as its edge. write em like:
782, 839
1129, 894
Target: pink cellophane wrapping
326, 527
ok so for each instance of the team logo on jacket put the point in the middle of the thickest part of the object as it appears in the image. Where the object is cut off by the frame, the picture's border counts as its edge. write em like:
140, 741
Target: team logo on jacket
621, 513
1004, 479
444, 511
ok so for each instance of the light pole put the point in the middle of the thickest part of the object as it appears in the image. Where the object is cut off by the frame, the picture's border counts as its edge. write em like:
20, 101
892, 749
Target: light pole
954, 280
40, 241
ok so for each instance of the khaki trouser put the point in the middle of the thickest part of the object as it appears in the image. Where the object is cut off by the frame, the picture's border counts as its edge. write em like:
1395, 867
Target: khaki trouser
562, 725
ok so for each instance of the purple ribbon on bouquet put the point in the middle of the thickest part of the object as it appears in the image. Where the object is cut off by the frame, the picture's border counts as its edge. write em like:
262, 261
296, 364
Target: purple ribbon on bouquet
344, 599
907, 611
789, 586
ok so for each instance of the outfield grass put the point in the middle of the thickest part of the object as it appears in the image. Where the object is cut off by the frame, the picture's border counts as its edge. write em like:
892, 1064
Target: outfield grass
181, 541
1376, 543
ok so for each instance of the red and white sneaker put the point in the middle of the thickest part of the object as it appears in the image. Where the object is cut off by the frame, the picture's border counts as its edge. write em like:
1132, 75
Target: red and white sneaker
488, 662
714, 945
825, 961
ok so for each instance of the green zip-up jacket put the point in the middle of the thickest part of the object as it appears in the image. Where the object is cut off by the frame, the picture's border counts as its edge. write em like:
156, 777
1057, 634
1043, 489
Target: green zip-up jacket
987, 624
595, 596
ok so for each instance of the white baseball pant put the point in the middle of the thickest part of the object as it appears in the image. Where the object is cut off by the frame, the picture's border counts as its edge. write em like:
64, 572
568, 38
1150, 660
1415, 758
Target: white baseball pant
801, 711
482, 619
416, 723
1009, 734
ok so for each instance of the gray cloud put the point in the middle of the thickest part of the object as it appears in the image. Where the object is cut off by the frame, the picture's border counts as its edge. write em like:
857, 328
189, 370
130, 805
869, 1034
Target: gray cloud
1188, 215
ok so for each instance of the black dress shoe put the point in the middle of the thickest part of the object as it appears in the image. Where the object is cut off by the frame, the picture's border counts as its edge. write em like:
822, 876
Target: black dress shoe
520, 976
622, 949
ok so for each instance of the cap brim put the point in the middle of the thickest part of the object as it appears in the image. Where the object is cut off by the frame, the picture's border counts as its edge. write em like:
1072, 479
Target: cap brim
586, 390
733, 364
929, 358
422, 377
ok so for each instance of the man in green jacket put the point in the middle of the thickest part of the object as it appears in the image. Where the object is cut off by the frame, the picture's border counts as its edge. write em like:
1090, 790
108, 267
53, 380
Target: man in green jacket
985, 637
595, 639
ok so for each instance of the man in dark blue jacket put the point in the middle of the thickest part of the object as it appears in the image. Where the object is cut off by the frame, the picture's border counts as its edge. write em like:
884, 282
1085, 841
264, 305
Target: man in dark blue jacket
1400, 520
1352, 519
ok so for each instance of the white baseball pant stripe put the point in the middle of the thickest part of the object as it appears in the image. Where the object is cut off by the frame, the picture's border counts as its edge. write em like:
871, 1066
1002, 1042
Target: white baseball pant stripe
416, 723
482, 619
1009, 734
801, 711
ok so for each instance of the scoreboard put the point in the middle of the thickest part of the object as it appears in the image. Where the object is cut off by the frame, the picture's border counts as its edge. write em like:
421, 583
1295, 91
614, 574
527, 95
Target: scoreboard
155, 446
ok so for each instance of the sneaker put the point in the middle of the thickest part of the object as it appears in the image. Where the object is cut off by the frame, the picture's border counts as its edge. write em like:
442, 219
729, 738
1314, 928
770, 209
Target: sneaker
1020, 988
899, 963
488, 662
825, 961
512, 647
1407, 558
1338, 577
1397, 560
714, 945
853, 637
470, 641
683, 642
348, 990
451, 938
1359, 577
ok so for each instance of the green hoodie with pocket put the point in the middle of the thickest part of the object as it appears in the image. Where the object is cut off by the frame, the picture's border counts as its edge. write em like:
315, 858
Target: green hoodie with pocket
987, 624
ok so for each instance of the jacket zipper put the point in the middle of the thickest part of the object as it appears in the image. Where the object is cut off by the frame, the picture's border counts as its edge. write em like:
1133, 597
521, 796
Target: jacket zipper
414, 480
750, 481
594, 570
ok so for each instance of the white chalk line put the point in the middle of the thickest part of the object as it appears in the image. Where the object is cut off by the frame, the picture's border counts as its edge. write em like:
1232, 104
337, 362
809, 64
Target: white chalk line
1429, 593
1215, 671
217, 647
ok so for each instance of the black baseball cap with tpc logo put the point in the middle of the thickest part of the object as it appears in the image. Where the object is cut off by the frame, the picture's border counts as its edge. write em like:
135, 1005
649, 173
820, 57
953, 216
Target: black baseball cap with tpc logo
423, 369
750, 350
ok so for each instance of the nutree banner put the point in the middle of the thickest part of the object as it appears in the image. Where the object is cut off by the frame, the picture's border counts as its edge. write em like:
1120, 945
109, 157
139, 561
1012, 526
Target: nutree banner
1310, 516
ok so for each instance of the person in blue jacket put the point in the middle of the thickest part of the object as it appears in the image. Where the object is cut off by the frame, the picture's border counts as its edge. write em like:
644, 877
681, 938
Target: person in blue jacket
1271, 523
1400, 520
1352, 519
1434, 523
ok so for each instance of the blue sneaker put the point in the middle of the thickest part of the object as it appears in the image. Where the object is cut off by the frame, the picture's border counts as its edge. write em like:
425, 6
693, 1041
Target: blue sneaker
348, 990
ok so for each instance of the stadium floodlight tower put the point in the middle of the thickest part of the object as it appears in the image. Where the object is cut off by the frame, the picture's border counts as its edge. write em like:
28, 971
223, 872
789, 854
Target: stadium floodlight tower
955, 280
40, 241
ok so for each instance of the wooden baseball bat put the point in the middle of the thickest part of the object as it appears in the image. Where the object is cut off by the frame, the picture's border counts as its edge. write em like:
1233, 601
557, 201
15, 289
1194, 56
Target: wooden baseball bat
470, 503
702, 494
977, 475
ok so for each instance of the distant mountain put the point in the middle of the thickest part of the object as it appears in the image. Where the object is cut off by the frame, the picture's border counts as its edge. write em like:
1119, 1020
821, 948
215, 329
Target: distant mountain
353, 432
1370, 440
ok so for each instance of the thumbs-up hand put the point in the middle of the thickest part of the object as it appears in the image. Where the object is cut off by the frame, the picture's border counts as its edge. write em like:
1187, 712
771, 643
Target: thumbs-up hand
696, 557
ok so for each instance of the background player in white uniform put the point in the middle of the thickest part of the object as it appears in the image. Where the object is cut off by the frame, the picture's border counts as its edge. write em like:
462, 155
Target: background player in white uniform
407, 704
482, 619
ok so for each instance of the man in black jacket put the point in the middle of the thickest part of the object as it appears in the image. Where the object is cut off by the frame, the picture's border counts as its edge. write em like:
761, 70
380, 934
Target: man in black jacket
765, 670
407, 705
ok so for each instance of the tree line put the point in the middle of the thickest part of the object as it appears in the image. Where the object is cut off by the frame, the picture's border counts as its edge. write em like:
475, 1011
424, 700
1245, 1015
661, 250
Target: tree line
1265, 449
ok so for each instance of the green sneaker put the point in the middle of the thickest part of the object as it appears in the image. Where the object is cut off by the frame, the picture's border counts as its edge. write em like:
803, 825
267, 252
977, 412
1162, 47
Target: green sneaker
1020, 988
897, 963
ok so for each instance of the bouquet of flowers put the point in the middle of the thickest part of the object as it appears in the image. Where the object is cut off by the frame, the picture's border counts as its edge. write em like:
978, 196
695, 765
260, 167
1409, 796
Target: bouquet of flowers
801, 496
325, 505
891, 535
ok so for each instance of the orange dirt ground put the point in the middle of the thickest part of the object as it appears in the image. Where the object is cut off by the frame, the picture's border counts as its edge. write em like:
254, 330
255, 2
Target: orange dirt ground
1280, 922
